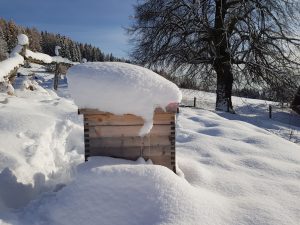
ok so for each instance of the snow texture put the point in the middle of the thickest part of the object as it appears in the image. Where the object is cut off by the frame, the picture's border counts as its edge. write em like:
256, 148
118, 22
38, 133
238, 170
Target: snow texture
9, 64
38, 56
60, 59
57, 48
23, 39
231, 170
16, 50
121, 88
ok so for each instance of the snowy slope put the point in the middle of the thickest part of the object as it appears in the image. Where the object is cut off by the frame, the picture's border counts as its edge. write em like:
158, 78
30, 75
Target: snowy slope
36, 143
232, 170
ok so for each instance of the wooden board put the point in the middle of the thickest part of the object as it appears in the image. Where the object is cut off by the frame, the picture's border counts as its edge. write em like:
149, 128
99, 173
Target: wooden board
130, 141
127, 119
106, 134
169, 109
125, 131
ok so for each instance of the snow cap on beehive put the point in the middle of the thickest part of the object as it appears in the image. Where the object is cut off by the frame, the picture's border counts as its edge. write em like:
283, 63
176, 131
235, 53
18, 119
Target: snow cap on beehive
121, 88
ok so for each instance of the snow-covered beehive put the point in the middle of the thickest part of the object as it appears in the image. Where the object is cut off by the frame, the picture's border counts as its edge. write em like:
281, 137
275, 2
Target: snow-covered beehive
129, 111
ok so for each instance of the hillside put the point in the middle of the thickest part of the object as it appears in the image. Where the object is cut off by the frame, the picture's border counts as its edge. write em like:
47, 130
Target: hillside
234, 169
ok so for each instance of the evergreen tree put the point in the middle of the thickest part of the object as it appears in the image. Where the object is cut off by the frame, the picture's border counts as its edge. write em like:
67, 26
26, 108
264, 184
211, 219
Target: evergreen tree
12, 33
3, 46
35, 39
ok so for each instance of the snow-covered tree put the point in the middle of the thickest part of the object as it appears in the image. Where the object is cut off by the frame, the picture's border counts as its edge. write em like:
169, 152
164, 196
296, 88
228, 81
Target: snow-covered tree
3, 46
253, 40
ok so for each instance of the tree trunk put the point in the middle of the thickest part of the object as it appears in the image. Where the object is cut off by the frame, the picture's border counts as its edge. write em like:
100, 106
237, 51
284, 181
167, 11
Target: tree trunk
222, 63
224, 87
296, 102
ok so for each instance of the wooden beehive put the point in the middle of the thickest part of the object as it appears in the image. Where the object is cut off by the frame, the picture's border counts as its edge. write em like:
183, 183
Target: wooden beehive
106, 134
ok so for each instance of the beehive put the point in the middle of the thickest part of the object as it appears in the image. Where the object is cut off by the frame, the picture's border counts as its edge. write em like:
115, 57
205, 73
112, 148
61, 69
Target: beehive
106, 134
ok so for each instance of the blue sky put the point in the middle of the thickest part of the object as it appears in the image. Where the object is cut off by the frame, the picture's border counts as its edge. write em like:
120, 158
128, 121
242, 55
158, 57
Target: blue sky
98, 22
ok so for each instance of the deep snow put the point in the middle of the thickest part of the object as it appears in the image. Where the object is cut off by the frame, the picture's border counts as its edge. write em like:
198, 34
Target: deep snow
232, 169
121, 88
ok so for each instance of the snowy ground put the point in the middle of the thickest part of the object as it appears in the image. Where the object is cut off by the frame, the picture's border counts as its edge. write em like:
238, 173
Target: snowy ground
233, 169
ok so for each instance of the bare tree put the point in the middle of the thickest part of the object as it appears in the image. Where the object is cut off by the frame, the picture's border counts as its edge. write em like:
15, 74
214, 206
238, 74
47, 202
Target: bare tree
253, 41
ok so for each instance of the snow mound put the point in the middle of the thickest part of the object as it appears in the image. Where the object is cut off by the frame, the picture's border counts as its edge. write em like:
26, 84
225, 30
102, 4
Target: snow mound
111, 191
121, 88
23, 39
9, 64
38, 56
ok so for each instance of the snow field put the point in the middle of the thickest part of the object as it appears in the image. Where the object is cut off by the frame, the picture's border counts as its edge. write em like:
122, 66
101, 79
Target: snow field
232, 170
256, 171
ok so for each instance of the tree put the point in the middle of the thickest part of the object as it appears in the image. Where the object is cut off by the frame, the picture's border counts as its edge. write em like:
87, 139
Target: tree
3, 46
12, 33
34, 39
252, 41
296, 102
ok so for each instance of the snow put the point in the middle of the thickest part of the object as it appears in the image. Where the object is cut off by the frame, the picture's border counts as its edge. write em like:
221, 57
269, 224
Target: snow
47, 58
57, 48
23, 39
16, 50
40, 143
121, 88
9, 64
60, 59
38, 56
123, 192
232, 169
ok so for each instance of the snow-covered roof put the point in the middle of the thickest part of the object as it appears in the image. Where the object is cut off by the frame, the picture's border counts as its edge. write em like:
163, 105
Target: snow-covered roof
121, 88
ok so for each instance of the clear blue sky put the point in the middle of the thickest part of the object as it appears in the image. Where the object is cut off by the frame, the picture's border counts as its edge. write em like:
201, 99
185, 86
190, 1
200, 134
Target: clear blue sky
98, 22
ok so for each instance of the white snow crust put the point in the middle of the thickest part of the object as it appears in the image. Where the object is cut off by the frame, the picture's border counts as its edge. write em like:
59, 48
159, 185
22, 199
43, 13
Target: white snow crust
16, 50
60, 59
233, 169
39, 56
121, 88
9, 64
23, 39
57, 48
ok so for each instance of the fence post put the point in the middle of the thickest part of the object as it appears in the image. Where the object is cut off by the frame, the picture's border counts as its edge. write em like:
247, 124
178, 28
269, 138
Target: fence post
270, 111
56, 75
195, 102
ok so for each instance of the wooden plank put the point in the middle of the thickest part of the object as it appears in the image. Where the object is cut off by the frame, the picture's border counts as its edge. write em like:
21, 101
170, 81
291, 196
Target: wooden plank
130, 141
171, 109
128, 119
130, 152
126, 131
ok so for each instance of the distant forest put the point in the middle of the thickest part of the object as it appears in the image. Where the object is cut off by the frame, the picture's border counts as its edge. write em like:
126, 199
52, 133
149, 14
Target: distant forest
45, 42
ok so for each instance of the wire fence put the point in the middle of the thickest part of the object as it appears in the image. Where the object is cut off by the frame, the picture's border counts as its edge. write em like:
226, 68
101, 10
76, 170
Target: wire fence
274, 117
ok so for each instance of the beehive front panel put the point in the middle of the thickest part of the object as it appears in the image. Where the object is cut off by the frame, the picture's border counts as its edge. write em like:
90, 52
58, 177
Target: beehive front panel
117, 136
